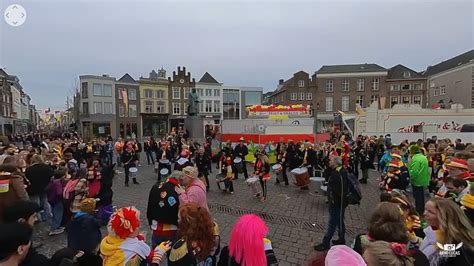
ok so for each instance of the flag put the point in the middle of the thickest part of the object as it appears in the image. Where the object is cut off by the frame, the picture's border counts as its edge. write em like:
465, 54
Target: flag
125, 101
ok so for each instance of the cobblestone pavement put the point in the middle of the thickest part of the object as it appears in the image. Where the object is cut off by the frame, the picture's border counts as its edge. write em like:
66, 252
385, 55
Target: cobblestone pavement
296, 219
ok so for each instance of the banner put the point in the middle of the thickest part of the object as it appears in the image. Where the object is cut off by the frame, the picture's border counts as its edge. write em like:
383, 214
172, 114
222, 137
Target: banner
279, 110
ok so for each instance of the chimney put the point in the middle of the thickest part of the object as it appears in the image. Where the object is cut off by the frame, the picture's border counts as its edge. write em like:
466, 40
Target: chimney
184, 69
281, 81
179, 68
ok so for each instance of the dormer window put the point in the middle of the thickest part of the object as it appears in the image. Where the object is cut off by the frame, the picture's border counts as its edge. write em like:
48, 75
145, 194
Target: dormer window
406, 74
301, 83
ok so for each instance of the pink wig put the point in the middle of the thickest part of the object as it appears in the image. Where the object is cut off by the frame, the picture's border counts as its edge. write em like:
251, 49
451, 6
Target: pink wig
246, 241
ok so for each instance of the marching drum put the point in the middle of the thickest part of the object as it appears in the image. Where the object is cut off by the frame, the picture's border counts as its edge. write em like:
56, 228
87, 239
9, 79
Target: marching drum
301, 176
164, 164
239, 165
220, 178
253, 183
133, 172
164, 172
278, 170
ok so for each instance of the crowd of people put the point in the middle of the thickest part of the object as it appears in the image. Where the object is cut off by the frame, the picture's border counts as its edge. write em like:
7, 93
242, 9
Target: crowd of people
425, 216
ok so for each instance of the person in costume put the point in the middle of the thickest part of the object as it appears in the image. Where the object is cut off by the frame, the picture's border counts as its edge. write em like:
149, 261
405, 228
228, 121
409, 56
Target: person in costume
194, 189
183, 160
447, 225
248, 244
393, 178
198, 238
203, 162
83, 231
162, 211
124, 246
262, 170
227, 169
129, 160
93, 178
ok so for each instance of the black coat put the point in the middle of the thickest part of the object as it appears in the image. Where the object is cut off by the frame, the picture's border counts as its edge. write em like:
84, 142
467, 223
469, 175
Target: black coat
129, 157
241, 151
39, 176
83, 232
202, 163
337, 188
166, 211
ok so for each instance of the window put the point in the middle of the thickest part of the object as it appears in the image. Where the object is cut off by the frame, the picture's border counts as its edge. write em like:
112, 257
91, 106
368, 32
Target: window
160, 107
393, 101
97, 108
97, 88
329, 85
417, 99
148, 107
185, 110
208, 106
360, 85
345, 103
406, 99
374, 98
132, 110
252, 97
217, 93
108, 108
217, 106
85, 108
436, 91
417, 86
200, 92
107, 90
406, 87
294, 96
148, 93
406, 74
301, 98
360, 100
309, 96
122, 110
85, 90
301, 83
132, 94
176, 93
185, 93
442, 90
345, 85
329, 104
176, 109
160, 94
208, 92
201, 107
375, 84
395, 87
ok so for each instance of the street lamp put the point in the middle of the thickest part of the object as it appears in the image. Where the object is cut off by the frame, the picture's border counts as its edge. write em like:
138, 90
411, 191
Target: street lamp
315, 109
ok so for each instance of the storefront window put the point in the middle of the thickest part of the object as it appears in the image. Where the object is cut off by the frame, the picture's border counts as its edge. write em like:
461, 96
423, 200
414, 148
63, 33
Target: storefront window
101, 129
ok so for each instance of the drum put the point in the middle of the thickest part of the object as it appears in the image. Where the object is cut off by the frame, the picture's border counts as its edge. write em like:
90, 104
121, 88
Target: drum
301, 176
239, 165
133, 172
277, 167
220, 178
278, 170
253, 183
164, 162
164, 172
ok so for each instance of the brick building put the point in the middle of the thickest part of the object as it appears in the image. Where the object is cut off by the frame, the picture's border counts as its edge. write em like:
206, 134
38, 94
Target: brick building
405, 86
298, 89
179, 86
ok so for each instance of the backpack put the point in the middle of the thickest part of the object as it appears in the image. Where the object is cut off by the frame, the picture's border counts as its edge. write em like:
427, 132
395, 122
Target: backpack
355, 195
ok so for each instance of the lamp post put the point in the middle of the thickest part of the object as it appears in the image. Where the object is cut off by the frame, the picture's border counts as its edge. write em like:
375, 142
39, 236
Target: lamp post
315, 109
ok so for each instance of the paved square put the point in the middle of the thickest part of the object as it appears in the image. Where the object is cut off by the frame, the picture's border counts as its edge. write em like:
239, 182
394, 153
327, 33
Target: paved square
297, 219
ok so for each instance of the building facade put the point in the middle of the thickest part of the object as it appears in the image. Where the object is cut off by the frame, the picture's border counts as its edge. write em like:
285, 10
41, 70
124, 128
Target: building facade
179, 86
127, 98
6, 105
345, 88
300, 89
405, 86
154, 103
97, 106
452, 81
236, 99
210, 93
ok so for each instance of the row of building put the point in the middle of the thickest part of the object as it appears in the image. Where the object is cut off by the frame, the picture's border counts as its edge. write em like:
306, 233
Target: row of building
346, 87
153, 105
17, 114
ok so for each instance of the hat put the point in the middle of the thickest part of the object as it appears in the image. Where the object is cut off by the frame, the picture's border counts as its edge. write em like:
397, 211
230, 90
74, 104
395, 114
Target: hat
458, 163
241, 139
343, 255
184, 154
124, 222
88, 205
190, 171
394, 146
394, 163
396, 155
414, 149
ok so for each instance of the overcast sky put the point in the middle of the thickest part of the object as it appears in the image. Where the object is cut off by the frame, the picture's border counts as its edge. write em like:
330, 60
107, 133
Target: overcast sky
247, 43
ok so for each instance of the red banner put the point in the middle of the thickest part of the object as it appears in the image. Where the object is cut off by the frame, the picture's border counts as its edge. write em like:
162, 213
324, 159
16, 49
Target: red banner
262, 139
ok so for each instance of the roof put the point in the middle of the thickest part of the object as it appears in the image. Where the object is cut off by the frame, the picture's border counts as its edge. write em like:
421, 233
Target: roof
398, 72
207, 78
350, 68
126, 79
450, 63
